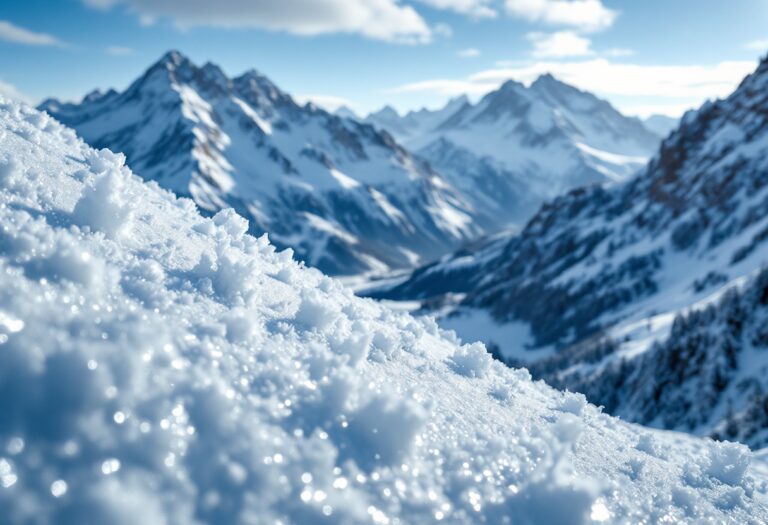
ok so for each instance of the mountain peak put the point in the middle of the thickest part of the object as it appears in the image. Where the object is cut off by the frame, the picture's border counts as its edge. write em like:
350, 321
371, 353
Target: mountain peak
511, 85
94, 95
172, 58
548, 81
457, 102
386, 112
346, 112
214, 74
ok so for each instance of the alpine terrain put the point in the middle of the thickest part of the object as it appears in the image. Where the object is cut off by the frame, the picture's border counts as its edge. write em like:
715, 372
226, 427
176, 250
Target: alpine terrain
346, 197
161, 367
648, 296
519, 146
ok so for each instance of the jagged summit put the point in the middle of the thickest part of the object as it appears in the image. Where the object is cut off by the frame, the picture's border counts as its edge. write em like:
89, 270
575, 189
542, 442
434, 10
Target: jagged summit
387, 112
173, 59
519, 146
345, 196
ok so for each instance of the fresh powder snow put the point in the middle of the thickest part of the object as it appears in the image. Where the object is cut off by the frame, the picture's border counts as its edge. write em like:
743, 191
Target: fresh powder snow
161, 367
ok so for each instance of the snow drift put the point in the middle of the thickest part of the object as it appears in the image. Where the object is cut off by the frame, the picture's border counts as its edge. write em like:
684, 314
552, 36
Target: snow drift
161, 367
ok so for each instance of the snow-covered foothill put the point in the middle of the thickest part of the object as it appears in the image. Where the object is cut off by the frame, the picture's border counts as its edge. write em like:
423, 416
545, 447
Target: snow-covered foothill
159, 367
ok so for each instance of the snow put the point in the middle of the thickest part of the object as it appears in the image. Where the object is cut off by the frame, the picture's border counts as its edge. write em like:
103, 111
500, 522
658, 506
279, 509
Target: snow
243, 143
159, 367
513, 340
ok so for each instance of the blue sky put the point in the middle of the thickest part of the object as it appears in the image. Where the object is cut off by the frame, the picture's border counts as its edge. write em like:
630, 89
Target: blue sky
644, 56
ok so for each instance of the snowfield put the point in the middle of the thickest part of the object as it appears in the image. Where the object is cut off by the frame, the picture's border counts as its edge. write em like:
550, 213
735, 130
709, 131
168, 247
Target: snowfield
161, 367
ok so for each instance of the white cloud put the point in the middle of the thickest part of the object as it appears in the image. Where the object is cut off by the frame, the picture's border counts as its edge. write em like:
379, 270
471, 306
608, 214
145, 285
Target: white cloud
119, 51
758, 45
19, 35
443, 30
647, 110
9, 91
147, 20
586, 15
377, 19
560, 44
470, 52
327, 102
473, 8
447, 87
618, 52
635, 85
100, 4
603, 76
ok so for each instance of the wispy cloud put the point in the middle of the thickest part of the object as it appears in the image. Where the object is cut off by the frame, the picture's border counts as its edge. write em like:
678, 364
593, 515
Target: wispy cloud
119, 51
387, 20
473, 8
617, 52
647, 110
585, 15
9, 91
662, 86
328, 102
19, 35
470, 52
758, 45
559, 45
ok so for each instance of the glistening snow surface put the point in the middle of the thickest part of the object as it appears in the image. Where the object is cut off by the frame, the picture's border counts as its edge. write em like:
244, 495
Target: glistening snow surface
161, 367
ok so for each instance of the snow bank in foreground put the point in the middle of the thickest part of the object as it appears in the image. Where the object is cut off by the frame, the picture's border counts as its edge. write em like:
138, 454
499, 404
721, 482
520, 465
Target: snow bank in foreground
158, 367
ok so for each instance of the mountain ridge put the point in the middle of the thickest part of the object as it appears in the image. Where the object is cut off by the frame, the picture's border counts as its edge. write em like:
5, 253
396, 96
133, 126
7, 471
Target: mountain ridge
594, 282
346, 197
524, 145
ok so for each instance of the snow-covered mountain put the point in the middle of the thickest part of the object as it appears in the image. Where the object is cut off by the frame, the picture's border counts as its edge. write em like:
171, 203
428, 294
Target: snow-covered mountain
160, 367
346, 197
415, 124
519, 146
345, 112
601, 273
708, 376
662, 125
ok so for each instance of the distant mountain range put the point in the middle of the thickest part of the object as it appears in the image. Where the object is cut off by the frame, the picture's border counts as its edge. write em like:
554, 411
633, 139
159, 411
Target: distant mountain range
662, 125
648, 295
352, 197
519, 146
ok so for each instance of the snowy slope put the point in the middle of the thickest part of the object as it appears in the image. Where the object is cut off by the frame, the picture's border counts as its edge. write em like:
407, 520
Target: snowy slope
346, 197
601, 269
161, 367
708, 375
520, 146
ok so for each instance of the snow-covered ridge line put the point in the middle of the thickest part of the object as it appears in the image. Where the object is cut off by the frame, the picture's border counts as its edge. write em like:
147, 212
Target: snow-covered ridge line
346, 197
161, 367
519, 146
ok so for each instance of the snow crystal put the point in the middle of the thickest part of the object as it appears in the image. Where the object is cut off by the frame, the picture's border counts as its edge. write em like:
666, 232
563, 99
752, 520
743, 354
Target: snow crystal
471, 360
316, 313
384, 431
728, 462
9, 171
573, 402
104, 206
